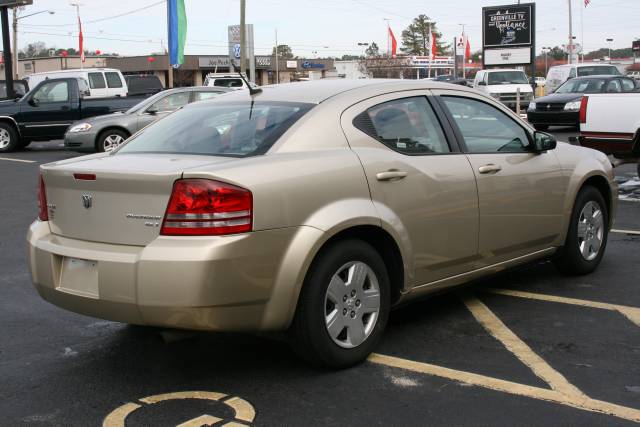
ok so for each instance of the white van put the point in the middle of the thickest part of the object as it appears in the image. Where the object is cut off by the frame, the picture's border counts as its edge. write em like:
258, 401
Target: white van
103, 82
503, 85
559, 74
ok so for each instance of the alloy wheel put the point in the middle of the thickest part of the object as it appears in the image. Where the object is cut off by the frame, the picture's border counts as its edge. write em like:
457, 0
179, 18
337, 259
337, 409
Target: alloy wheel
352, 304
5, 138
113, 141
590, 230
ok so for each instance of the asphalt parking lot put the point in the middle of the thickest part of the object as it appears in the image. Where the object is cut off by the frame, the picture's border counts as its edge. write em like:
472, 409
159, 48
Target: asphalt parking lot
528, 347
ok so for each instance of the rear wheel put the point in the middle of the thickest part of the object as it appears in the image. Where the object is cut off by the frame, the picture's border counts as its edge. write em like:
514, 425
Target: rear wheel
111, 139
587, 237
9, 140
541, 128
343, 307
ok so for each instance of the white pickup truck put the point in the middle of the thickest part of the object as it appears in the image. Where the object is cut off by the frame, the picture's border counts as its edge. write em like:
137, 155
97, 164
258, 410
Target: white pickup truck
610, 122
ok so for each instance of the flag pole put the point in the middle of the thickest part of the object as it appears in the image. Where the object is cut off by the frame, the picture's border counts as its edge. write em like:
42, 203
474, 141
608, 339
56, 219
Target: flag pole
582, 29
388, 51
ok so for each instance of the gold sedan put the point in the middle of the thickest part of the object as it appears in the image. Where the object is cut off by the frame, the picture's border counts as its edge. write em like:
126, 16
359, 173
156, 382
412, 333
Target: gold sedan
313, 208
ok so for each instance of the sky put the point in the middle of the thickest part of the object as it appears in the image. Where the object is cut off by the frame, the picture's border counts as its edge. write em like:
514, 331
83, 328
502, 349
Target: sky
313, 28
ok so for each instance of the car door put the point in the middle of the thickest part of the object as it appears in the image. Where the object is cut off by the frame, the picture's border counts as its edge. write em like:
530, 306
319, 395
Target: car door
114, 84
48, 111
422, 186
163, 106
521, 193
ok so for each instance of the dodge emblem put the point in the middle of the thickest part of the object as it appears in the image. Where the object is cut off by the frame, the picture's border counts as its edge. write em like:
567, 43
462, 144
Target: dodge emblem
86, 200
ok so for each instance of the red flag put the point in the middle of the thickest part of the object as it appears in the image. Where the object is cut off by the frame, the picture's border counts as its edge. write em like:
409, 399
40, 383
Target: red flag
467, 50
394, 43
586, 3
80, 41
434, 46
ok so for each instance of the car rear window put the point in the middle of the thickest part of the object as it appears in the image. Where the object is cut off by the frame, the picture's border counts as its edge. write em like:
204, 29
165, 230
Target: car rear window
219, 129
227, 82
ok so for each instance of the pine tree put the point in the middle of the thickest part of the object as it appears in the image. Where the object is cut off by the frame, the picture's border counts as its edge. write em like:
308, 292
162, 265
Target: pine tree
415, 38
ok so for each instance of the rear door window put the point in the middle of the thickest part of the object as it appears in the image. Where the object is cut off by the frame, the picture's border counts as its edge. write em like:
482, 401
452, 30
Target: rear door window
171, 102
614, 86
406, 125
628, 85
96, 81
113, 80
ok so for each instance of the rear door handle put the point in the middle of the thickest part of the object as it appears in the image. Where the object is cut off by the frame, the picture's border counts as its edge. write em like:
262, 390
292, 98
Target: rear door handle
490, 168
391, 175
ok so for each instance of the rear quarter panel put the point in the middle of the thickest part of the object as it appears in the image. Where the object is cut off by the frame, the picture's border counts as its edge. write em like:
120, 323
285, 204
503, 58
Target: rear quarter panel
613, 113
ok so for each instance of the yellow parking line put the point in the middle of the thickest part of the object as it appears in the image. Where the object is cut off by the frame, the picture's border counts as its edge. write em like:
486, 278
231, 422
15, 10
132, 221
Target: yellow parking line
519, 348
631, 313
205, 395
582, 402
9, 159
117, 417
626, 231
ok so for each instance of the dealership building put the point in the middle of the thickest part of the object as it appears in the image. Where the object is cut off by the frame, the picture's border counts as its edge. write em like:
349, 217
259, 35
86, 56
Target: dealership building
194, 69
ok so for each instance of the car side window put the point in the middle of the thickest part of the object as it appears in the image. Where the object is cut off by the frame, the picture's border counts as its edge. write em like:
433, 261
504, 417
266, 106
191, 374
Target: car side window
96, 81
171, 102
53, 92
485, 128
200, 96
406, 125
572, 73
628, 85
113, 80
614, 86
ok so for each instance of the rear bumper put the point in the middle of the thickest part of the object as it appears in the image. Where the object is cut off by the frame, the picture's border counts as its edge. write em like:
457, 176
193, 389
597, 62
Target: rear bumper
225, 283
553, 118
618, 145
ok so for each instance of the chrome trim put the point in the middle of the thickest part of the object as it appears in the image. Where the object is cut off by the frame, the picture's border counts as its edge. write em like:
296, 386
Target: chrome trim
47, 125
14, 122
216, 215
208, 224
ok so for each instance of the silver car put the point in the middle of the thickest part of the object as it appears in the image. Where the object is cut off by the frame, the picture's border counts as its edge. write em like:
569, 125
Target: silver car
314, 208
105, 133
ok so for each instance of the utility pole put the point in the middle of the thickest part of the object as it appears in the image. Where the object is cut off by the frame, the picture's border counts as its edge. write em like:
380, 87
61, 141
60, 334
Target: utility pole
77, 6
277, 60
570, 46
6, 46
464, 52
243, 37
15, 42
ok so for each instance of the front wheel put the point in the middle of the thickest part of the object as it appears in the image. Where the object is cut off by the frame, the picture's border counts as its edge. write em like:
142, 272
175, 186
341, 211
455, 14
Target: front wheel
111, 139
587, 236
9, 140
343, 307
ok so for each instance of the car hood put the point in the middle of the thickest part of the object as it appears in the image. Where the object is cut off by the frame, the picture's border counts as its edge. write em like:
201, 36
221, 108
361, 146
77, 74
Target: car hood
524, 88
8, 105
559, 98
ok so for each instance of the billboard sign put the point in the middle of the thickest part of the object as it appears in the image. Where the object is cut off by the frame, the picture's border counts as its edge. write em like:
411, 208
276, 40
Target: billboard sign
508, 34
636, 46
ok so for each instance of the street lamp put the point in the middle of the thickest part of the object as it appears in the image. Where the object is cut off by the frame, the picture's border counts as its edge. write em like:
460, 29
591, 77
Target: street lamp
364, 48
609, 41
546, 50
16, 18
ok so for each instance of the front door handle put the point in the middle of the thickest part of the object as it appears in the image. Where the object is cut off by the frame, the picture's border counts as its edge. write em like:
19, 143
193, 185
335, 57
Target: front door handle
390, 175
490, 168
65, 108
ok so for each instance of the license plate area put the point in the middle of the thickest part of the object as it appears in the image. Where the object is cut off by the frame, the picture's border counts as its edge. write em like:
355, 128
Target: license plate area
79, 277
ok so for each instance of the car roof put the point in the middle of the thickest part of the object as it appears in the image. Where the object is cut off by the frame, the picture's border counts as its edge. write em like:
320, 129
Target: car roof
318, 91
76, 70
598, 76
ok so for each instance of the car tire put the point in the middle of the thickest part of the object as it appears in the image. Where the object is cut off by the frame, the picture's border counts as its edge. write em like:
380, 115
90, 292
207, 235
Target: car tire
9, 140
587, 236
541, 128
336, 324
110, 139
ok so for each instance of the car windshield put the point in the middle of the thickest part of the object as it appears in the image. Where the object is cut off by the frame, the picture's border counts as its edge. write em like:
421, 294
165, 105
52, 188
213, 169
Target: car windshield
607, 70
507, 77
219, 129
148, 101
582, 86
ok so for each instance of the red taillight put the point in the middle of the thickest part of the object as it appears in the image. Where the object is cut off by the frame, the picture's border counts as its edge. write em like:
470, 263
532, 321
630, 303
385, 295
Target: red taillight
85, 176
583, 109
203, 207
43, 213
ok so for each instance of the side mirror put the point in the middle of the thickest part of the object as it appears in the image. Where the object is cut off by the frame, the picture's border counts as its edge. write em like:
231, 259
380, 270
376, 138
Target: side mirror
152, 110
482, 83
34, 102
543, 141
85, 93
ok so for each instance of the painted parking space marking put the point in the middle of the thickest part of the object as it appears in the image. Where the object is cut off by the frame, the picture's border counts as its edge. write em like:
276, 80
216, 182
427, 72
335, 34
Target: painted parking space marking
631, 313
243, 410
492, 324
562, 391
636, 232
9, 159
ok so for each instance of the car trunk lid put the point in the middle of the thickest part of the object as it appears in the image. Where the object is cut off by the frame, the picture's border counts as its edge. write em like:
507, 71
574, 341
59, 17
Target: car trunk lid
117, 199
